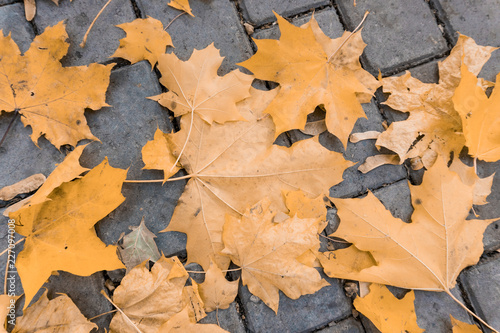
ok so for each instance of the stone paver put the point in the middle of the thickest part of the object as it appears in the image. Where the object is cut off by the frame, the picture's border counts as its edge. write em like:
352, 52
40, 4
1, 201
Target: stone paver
349, 325
215, 22
12, 21
260, 12
229, 319
398, 33
102, 41
6, 2
482, 283
305, 314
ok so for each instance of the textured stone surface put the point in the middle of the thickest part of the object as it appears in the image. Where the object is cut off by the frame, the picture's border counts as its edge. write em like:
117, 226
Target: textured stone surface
479, 21
305, 314
327, 19
5, 2
482, 284
104, 37
215, 22
229, 319
12, 20
349, 325
260, 12
397, 199
398, 33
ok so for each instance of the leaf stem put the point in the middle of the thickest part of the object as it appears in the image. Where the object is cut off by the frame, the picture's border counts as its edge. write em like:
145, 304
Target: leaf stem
349, 37
469, 311
334, 240
186, 142
103, 314
124, 315
157, 180
7, 249
175, 18
224, 271
84, 41
8, 127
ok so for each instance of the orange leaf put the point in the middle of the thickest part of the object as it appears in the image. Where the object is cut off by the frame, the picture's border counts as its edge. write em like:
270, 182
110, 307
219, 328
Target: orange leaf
181, 323
181, 5
216, 291
461, 327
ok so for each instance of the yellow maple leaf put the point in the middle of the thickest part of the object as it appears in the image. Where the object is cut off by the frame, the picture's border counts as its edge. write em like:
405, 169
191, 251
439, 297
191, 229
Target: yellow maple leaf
388, 313
50, 98
181, 5
57, 315
267, 253
146, 40
217, 292
461, 327
60, 232
181, 323
235, 165
313, 70
480, 116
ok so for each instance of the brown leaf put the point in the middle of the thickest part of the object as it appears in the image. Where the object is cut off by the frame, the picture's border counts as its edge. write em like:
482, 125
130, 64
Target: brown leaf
216, 291
26, 185
181, 323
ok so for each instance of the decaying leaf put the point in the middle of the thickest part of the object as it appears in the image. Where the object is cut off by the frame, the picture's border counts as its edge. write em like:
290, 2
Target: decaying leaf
346, 262
57, 315
51, 98
368, 135
149, 298
313, 69
194, 86
146, 40
137, 246
181, 5
373, 162
461, 327
181, 323
26, 185
427, 254
433, 127
267, 253
216, 291
480, 116
388, 313
60, 232
233, 166
192, 300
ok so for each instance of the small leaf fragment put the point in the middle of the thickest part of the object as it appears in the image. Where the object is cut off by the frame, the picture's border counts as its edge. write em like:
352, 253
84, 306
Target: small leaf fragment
26, 185
216, 291
181, 323
181, 5
461, 327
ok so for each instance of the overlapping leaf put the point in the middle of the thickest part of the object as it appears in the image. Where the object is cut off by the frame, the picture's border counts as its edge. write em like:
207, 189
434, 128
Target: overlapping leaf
217, 292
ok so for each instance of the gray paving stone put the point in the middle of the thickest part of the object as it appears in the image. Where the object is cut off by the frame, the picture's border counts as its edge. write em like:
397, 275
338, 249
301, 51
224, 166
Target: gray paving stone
479, 20
104, 37
6, 2
229, 319
12, 20
260, 12
327, 19
397, 32
215, 22
397, 199
305, 314
482, 284
349, 325
123, 130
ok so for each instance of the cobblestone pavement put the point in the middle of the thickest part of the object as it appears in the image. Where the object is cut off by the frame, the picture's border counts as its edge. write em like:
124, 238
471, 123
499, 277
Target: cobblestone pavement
401, 35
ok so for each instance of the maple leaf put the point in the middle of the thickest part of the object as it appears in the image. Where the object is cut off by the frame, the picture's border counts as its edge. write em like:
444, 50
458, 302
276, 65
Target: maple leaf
216, 292
427, 254
461, 327
388, 313
146, 40
181, 323
60, 232
138, 246
154, 161
267, 253
57, 315
234, 165
150, 298
50, 98
181, 5
480, 116
433, 127
313, 70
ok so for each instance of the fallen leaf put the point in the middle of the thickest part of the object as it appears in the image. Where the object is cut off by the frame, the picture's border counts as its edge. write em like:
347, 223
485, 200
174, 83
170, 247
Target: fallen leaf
181, 323
155, 161
427, 254
51, 98
461, 327
368, 135
373, 162
346, 262
60, 232
482, 186
314, 127
480, 116
7, 310
57, 315
434, 126
146, 40
216, 291
194, 86
138, 246
313, 69
149, 298
267, 252
193, 301
26, 185
181, 5
388, 313
233, 166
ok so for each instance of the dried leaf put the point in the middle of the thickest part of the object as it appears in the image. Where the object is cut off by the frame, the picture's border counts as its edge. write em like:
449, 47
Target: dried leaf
138, 246
388, 313
346, 262
57, 315
195, 87
51, 98
7, 310
181, 323
368, 135
192, 300
461, 327
216, 291
181, 5
29, 9
60, 232
482, 186
146, 40
314, 127
26, 185
155, 161
313, 69
373, 162
267, 252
